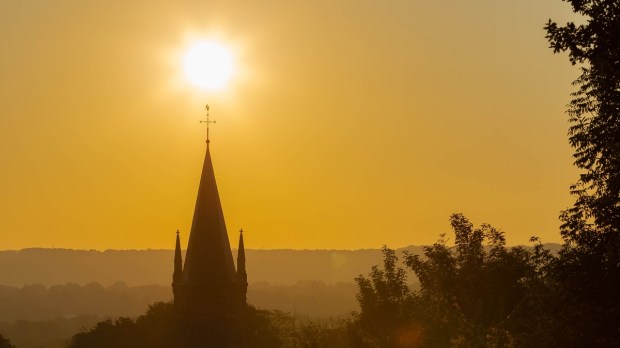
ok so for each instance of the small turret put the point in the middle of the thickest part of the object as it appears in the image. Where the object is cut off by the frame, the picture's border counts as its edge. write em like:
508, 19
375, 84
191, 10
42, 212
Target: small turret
178, 266
242, 276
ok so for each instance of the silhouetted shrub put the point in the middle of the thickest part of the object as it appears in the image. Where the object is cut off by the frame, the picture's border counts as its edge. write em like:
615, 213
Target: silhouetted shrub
5, 343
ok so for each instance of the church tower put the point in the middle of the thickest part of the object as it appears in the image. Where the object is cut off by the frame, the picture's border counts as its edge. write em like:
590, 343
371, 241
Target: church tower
209, 295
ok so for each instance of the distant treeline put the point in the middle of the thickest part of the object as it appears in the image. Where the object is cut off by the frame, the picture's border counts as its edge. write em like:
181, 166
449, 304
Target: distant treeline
143, 267
35, 316
38, 302
49, 333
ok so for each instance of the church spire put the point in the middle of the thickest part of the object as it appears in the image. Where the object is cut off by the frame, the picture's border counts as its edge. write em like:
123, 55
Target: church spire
207, 295
242, 276
178, 261
208, 258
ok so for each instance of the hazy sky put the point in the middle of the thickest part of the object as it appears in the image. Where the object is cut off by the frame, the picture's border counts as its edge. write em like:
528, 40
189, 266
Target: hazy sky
347, 124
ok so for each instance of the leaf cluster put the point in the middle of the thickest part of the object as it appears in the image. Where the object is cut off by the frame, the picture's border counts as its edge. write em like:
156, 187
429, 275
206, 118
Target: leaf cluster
594, 116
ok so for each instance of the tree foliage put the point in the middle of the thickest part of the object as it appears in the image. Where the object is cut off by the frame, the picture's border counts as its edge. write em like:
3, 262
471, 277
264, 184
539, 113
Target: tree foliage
261, 328
153, 329
584, 282
320, 333
5, 342
385, 302
470, 295
594, 116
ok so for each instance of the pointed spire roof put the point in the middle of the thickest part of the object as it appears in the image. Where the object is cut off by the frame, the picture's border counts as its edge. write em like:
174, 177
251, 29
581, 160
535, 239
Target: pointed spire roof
177, 249
178, 261
241, 255
208, 257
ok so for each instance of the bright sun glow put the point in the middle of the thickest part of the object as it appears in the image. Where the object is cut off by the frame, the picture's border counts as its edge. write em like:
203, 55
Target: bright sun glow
208, 65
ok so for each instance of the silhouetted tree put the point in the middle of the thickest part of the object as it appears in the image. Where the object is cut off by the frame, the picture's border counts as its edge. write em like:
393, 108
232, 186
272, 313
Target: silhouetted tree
321, 333
471, 293
385, 302
5, 343
475, 294
156, 326
155, 329
265, 329
594, 114
119, 333
585, 279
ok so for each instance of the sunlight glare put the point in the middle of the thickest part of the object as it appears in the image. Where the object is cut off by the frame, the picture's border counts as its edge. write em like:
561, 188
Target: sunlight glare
208, 65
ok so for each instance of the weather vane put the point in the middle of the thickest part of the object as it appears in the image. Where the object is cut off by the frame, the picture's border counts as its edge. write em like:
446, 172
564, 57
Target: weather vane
208, 122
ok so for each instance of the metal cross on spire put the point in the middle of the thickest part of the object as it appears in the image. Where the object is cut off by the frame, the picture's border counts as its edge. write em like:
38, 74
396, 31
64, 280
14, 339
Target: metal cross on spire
208, 122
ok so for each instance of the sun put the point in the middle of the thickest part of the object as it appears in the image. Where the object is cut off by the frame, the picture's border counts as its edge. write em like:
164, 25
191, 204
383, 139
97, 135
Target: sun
208, 65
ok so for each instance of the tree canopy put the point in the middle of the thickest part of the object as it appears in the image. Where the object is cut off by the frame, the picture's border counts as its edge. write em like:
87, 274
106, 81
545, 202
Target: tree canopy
5, 342
585, 279
472, 294
594, 116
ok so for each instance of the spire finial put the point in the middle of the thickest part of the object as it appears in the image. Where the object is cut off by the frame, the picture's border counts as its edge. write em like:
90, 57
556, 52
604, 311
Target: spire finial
241, 231
177, 232
208, 122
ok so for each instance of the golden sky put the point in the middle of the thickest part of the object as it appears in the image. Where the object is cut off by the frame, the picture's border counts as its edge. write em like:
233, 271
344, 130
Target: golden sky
346, 124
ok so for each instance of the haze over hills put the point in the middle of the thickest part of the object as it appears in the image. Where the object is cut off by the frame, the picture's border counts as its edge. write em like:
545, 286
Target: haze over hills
145, 267
38, 284
41, 284
54, 292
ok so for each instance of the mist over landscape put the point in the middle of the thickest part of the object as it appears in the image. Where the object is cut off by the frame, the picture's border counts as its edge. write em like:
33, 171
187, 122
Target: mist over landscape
47, 295
46, 283
144, 267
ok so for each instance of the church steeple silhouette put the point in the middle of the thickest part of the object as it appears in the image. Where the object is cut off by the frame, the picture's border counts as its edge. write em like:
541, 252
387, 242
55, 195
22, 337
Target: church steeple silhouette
209, 295
178, 262
242, 276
